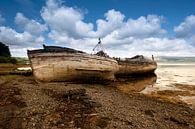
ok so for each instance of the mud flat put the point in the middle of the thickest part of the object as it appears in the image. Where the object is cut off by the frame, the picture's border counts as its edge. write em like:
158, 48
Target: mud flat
175, 82
25, 103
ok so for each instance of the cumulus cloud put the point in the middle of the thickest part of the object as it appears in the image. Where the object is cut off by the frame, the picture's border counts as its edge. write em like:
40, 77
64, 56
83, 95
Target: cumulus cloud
30, 37
68, 28
68, 23
31, 26
186, 28
142, 27
136, 46
65, 20
114, 20
121, 36
115, 26
13, 38
154, 46
19, 42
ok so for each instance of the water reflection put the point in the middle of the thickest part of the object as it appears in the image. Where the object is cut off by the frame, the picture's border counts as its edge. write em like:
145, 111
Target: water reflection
173, 82
136, 83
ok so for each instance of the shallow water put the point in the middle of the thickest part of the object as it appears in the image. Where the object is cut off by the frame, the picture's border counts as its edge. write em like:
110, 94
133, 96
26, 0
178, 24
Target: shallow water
169, 75
174, 81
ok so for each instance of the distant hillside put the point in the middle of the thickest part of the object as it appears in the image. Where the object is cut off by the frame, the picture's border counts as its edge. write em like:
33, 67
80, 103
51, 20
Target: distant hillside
5, 55
22, 60
175, 59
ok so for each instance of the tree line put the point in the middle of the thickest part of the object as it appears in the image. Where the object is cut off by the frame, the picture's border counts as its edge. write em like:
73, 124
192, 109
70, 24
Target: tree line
5, 55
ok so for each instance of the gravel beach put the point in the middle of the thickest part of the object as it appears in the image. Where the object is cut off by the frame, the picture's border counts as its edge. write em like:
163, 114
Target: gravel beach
26, 104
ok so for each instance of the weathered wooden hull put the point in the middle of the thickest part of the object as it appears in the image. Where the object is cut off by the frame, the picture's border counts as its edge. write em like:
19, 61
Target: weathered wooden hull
64, 66
136, 67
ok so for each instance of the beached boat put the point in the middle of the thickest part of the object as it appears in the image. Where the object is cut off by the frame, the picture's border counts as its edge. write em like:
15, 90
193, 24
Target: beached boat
136, 65
54, 63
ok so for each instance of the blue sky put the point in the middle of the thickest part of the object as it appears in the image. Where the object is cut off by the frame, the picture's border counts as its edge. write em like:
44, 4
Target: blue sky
127, 27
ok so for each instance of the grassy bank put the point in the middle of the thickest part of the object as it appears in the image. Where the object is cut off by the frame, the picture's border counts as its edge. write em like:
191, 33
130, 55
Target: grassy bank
8, 60
9, 68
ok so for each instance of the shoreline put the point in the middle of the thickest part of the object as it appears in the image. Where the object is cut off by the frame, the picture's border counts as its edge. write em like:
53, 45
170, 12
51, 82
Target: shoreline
43, 105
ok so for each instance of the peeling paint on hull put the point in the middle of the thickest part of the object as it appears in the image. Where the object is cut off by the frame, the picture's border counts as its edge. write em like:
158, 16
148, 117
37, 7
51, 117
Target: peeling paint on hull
136, 67
64, 66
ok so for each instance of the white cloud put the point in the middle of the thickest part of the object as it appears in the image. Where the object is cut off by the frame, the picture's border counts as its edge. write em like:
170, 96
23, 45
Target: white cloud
186, 28
19, 41
11, 37
31, 26
65, 20
134, 46
2, 19
20, 52
31, 37
142, 27
69, 22
114, 21
120, 35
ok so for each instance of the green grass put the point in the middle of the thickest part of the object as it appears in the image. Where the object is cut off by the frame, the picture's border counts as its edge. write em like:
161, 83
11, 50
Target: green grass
7, 68
8, 60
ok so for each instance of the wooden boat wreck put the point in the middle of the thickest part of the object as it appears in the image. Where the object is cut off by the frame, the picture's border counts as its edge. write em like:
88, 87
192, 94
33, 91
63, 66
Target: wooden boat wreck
54, 63
136, 65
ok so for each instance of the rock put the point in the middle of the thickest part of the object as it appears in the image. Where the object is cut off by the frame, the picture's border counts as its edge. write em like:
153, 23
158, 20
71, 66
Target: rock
179, 121
33, 124
72, 93
192, 126
54, 118
102, 122
17, 112
62, 125
185, 112
149, 113
24, 124
54, 127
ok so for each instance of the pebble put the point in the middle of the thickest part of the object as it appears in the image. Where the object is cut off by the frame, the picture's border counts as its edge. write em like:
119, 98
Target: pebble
62, 125
54, 127
109, 101
24, 124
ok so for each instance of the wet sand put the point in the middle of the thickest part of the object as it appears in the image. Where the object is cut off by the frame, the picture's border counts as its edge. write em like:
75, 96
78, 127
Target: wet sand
25, 103
172, 82
175, 82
